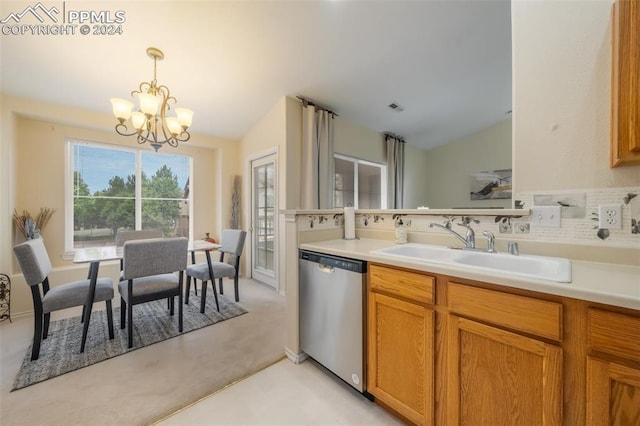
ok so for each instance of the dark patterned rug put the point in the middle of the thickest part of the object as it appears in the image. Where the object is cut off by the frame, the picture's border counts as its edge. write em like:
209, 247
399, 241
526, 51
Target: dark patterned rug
60, 351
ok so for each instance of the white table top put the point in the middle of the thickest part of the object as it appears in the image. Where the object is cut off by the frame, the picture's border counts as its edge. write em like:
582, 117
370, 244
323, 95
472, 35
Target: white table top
102, 254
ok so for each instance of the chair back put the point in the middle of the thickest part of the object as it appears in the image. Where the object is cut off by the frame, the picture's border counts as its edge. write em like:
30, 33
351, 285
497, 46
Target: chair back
232, 241
154, 256
127, 235
34, 260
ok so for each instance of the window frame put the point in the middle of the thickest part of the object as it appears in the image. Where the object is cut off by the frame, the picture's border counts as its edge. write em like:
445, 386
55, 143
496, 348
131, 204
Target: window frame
69, 196
357, 162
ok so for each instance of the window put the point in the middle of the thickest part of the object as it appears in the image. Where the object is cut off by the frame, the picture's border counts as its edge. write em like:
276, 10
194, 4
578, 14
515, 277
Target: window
359, 183
113, 189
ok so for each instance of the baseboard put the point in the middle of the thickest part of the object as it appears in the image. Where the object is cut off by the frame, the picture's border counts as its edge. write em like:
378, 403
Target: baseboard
296, 358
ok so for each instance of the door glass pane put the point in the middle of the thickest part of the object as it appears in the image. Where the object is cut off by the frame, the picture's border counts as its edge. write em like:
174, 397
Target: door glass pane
344, 191
369, 191
264, 216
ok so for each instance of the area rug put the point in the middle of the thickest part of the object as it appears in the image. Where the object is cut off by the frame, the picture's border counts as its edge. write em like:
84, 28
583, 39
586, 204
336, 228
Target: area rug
60, 351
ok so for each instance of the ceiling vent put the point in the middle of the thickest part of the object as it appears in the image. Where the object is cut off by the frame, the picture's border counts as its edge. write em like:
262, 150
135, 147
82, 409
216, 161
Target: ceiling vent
396, 107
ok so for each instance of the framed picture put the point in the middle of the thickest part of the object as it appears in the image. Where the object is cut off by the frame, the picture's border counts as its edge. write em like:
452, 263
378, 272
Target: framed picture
491, 185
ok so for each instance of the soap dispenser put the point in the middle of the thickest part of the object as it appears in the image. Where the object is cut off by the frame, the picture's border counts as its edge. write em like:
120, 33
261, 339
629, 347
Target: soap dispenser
401, 232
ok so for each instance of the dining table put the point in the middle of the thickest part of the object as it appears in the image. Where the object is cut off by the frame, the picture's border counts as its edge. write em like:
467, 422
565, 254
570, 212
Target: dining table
95, 255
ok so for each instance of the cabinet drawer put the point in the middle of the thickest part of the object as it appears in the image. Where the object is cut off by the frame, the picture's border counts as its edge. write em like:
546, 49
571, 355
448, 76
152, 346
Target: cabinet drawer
615, 334
539, 317
411, 285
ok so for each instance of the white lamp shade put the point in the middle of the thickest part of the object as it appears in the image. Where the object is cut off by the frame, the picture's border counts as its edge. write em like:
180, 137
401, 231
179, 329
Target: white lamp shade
185, 117
138, 119
173, 125
121, 108
148, 103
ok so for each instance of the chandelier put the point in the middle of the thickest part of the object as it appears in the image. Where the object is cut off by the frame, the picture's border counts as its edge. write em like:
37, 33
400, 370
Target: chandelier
149, 124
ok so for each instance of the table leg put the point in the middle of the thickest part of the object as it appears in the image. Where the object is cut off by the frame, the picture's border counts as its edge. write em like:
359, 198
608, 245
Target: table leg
88, 304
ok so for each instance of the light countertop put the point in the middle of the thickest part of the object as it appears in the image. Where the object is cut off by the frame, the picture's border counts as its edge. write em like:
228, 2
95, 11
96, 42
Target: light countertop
611, 284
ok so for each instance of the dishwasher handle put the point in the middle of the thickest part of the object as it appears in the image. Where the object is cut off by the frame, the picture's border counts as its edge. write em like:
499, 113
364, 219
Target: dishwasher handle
337, 262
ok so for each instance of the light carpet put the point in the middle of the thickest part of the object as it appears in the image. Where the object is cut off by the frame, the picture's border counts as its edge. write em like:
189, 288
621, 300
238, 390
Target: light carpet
60, 351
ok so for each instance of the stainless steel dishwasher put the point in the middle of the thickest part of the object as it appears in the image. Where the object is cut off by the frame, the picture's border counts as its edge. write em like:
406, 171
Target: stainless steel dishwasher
332, 295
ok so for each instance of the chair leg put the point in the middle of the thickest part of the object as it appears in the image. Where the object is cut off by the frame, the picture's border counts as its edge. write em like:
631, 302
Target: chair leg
235, 285
186, 293
110, 319
123, 312
37, 334
130, 324
220, 285
84, 309
203, 297
215, 293
195, 286
45, 329
180, 310
171, 305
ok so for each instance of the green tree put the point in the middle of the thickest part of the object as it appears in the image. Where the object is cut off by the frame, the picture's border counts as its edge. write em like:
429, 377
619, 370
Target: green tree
161, 213
116, 204
83, 208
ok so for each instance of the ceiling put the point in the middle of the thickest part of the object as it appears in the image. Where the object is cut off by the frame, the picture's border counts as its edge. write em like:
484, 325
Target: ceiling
448, 63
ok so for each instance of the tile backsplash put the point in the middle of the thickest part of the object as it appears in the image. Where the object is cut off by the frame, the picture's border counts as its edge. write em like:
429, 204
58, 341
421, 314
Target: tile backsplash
578, 225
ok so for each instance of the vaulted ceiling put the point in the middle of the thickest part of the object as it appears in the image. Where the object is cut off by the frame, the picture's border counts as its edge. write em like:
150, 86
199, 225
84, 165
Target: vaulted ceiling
448, 63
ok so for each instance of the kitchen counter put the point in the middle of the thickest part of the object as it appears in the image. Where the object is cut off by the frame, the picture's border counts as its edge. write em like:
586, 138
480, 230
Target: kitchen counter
611, 284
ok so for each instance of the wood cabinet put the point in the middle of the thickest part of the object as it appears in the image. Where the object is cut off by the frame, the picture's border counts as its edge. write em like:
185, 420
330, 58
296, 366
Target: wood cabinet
400, 342
625, 84
445, 350
498, 376
613, 369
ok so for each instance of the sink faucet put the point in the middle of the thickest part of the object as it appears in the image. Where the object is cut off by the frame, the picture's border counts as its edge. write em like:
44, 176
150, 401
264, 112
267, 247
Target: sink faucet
469, 239
491, 241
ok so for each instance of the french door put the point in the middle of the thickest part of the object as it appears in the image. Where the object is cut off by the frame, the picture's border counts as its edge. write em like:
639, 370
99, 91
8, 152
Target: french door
264, 210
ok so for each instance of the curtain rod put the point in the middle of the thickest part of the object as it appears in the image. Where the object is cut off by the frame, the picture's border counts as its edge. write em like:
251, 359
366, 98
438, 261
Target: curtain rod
307, 102
393, 135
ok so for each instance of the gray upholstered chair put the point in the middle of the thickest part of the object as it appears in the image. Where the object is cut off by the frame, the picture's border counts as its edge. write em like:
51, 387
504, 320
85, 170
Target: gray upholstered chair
36, 267
124, 235
232, 242
149, 274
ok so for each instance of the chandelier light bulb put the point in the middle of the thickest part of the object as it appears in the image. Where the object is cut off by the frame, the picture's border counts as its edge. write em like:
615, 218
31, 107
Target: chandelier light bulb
185, 117
121, 108
138, 119
173, 125
148, 103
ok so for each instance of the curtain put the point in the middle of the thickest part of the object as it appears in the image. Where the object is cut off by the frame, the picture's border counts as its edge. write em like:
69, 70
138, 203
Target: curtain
395, 171
317, 165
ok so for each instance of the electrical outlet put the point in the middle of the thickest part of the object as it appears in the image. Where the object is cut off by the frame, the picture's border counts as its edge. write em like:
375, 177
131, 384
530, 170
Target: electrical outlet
610, 216
545, 216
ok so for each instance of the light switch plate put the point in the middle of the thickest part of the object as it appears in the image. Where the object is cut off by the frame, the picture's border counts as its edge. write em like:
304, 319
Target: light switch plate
545, 216
610, 216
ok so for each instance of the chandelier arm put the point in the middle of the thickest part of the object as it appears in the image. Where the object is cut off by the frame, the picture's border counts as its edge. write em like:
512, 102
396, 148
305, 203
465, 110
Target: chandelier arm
122, 129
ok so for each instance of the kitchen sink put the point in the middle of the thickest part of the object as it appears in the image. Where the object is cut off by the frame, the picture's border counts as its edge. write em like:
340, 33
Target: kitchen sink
541, 267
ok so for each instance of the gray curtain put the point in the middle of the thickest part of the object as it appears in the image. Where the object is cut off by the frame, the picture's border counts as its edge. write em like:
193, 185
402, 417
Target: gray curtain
317, 165
395, 171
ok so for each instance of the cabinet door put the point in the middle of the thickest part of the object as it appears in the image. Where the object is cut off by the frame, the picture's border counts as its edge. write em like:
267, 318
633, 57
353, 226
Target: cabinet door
613, 394
400, 356
501, 378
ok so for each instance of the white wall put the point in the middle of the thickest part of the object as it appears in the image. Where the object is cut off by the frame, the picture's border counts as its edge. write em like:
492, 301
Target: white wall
562, 96
416, 177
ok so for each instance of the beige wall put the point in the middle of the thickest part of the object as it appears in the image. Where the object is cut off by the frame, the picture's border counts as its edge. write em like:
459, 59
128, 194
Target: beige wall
33, 176
561, 96
448, 167
355, 141
416, 177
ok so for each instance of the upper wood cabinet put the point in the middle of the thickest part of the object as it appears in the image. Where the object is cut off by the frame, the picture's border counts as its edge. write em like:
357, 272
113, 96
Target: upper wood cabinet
625, 87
